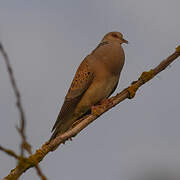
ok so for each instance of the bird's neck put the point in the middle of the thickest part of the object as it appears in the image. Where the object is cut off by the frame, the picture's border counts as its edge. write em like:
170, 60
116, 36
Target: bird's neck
103, 42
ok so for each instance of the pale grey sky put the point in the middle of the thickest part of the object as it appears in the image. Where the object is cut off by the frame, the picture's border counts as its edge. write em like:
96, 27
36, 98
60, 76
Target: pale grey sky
46, 40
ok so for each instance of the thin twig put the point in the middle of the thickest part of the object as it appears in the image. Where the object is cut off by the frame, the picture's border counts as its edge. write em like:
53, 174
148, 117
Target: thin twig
24, 144
21, 130
39, 172
99, 110
9, 152
13, 154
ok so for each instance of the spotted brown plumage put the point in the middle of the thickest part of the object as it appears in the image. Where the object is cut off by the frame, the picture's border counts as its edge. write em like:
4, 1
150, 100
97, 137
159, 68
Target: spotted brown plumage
96, 78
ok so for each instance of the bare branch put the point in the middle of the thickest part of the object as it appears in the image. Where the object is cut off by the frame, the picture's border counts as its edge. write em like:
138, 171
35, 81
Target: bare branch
24, 144
21, 130
9, 152
39, 172
96, 112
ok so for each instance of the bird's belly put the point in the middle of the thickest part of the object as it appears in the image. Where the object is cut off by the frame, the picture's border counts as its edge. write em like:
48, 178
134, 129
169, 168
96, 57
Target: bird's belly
109, 86
98, 90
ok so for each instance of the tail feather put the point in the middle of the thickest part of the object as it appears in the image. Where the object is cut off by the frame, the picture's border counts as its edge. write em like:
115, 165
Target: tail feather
62, 128
54, 135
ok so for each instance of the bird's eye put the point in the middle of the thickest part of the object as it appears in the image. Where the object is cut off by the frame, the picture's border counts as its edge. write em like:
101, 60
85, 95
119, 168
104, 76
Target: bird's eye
115, 35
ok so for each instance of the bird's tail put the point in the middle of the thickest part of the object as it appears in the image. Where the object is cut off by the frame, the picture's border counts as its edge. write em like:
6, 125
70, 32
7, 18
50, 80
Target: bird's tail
62, 128
54, 135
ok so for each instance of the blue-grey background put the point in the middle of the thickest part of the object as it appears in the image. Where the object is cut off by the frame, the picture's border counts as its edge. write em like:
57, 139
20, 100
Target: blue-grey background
46, 40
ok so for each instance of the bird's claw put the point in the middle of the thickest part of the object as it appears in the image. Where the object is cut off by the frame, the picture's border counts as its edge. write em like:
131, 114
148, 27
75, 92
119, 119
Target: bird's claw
96, 110
105, 103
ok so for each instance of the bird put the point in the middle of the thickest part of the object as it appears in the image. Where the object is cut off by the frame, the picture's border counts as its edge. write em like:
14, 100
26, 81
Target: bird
95, 80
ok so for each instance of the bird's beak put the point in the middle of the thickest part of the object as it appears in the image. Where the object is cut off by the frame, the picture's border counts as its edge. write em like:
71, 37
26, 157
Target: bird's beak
124, 41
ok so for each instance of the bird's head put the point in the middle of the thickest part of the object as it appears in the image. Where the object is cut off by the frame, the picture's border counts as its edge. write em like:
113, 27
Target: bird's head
115, 36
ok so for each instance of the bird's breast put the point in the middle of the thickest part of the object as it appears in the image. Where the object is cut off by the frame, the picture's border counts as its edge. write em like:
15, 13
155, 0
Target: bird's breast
112, 56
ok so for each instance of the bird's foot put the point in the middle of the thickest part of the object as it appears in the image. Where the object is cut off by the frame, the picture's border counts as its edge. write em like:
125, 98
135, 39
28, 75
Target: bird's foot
99, 108
105, 103
96, 110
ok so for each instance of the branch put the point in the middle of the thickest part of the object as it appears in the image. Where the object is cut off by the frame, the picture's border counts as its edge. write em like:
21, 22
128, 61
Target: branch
97, 111
21, 130
17, 157
24, 144
9, 152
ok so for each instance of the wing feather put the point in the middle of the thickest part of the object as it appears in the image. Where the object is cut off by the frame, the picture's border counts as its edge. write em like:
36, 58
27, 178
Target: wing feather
82, 80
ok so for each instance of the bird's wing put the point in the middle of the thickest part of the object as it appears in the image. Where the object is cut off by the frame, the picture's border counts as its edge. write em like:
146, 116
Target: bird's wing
79, 85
